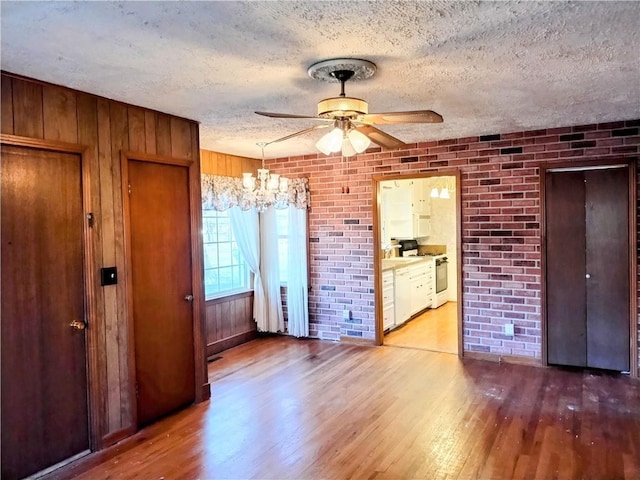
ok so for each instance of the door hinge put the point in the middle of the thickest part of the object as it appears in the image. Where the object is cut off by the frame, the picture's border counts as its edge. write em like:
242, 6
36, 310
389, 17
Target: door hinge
137, 390
129, 189
90, 219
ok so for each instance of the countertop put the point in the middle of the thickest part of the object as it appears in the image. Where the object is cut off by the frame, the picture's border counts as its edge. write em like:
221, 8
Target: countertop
400, 262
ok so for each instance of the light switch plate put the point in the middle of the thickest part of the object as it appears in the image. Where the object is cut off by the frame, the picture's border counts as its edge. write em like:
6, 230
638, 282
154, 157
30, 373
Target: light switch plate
108, 276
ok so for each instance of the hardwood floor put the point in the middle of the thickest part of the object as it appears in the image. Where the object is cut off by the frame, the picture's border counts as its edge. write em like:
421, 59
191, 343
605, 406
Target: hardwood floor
435, 330
283, 408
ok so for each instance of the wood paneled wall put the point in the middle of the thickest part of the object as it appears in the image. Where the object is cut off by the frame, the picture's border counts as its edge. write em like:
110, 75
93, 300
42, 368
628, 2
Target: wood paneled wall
229, 320
104, 128
228, 165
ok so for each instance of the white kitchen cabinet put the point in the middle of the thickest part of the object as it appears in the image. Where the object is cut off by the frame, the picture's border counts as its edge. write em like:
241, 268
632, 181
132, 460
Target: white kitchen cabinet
397, 210
402, 287
421, 197
421, 225
406, 209
388, 300
421, 286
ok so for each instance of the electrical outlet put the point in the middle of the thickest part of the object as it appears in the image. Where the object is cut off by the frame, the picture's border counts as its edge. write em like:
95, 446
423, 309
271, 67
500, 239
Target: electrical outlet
346, 314
509, 330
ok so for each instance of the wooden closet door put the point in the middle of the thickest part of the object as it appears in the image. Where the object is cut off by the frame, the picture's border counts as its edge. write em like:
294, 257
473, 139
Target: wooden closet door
161, 284
587, 268
44, 377
565, 268
607, 265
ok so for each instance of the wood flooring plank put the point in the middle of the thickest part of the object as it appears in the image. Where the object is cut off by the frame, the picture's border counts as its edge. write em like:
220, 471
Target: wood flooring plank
307, 409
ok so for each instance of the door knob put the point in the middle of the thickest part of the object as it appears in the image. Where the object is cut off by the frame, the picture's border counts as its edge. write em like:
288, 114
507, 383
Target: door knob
77, 324
588, 275
189, 298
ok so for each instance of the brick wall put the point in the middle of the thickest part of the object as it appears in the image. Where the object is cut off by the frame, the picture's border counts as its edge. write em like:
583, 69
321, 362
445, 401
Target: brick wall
500, 227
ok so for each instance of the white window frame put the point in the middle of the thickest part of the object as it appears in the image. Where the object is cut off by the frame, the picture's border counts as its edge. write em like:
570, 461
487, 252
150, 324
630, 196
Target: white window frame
239, 262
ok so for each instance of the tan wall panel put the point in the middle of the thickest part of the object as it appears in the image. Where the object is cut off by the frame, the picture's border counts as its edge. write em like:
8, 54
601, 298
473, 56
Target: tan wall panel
137, 137
27, 109
6, 118
216, 163
59, 114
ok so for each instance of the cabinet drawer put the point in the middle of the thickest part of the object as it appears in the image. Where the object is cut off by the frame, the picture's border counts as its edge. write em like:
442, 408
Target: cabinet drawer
387, 298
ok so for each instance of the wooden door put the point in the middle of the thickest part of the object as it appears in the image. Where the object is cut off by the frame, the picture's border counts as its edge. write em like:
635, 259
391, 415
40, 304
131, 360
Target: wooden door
588, 268
44, 377
607, 265
160, 238
566, 245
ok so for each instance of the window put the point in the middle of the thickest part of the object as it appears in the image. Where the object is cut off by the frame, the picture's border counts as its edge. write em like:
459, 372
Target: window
225, 270
282, 222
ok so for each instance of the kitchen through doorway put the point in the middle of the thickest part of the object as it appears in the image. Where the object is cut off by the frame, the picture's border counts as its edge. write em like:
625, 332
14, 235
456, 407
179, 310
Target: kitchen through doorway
418, 262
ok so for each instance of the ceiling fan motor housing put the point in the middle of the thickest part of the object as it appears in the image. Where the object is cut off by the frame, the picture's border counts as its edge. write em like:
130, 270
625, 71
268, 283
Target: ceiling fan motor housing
342, 107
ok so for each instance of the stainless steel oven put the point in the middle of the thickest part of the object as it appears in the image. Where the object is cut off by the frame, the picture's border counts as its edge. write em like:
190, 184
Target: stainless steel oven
441, 273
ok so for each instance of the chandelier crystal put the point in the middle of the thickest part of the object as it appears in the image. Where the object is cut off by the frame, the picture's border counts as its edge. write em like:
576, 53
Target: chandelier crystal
266, 189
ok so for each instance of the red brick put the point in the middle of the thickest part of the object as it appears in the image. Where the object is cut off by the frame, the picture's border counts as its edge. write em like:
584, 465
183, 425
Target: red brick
501, 279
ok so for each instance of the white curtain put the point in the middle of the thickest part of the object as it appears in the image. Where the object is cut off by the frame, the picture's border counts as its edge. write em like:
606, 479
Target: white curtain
270, 271
297, 278
246, 231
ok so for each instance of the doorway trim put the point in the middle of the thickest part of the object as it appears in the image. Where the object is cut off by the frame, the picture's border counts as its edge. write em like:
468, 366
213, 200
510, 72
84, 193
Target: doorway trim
629, 163
95, 383
202, 387
377, 260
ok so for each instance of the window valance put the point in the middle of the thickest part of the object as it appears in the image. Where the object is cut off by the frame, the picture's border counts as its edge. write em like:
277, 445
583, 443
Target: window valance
221, 193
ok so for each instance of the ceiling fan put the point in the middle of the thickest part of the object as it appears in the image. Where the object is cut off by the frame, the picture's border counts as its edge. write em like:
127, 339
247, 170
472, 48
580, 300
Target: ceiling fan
353, 124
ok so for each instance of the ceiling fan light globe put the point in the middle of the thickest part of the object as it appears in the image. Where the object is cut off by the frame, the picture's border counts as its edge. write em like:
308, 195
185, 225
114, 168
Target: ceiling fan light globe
359, 141
444, 193
331, 142
347, 148
434, 193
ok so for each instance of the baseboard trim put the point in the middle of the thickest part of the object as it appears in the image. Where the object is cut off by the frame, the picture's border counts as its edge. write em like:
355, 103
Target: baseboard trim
230, 342
358, 341
115, 437
206, 392
492, 357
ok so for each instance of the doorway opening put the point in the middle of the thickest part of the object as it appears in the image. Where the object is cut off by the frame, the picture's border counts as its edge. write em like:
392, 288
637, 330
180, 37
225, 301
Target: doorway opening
417, 261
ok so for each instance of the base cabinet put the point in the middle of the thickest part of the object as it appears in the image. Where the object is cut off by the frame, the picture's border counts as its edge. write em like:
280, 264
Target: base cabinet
402, 295
388, 301
421, 281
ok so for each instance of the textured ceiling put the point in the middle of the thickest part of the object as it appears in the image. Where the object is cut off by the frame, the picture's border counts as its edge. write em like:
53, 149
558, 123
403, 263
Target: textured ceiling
486, 67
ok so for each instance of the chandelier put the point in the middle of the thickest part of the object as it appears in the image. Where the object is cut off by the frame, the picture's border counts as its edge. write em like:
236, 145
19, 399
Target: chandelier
266, 189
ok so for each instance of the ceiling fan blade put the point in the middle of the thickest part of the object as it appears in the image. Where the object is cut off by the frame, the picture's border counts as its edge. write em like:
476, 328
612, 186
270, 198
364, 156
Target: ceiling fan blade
381, 138
301, 132
285, 115
390, 118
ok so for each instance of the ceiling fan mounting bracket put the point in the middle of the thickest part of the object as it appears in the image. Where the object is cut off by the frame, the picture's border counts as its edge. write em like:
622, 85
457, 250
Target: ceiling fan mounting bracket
338, 70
